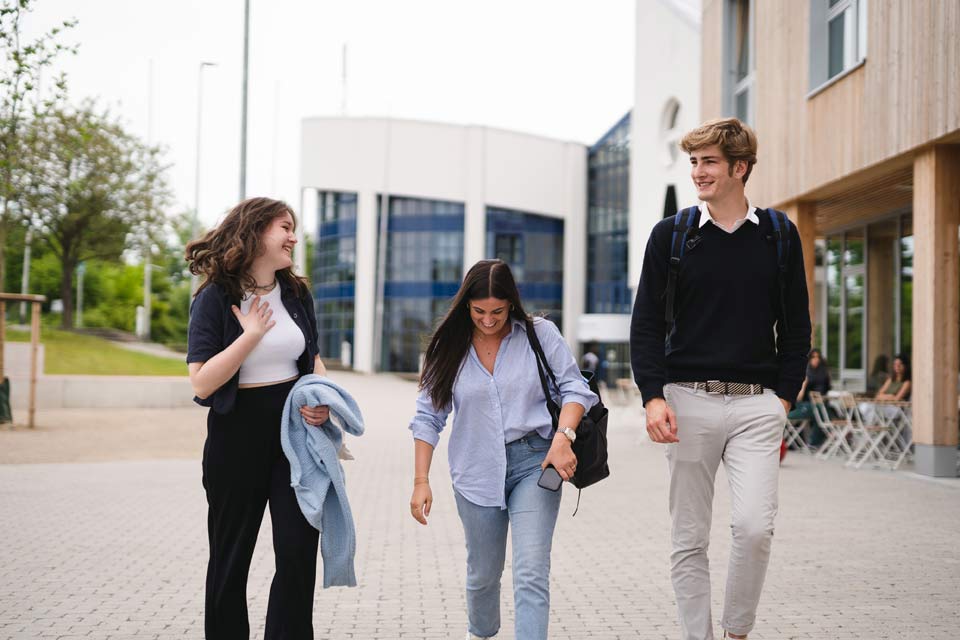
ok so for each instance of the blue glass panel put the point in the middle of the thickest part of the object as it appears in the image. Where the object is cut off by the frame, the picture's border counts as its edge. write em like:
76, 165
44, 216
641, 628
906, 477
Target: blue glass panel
423, 271
607, 221
532, 245
334, 271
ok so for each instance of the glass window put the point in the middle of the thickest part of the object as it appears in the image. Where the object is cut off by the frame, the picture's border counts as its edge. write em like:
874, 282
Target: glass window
334, 274
423, 269
834, 303
854, 280
846, 35
533, 247
740, 54
906, 284
607, 222
835, 46
854, 321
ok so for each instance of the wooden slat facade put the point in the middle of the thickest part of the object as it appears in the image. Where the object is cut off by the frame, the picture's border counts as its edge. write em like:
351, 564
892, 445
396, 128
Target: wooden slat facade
904, 96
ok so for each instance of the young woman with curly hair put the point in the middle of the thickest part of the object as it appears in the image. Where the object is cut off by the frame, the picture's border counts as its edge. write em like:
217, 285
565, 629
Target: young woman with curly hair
252, 334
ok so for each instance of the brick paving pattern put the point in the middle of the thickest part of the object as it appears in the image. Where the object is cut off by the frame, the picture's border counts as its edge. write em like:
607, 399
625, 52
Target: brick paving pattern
118, 549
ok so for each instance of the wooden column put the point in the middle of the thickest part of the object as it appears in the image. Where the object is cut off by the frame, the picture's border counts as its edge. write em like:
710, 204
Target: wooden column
34, 350
804, 215
936, 309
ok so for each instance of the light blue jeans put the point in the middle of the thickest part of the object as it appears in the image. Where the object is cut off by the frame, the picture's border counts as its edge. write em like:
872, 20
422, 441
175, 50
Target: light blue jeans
531, 514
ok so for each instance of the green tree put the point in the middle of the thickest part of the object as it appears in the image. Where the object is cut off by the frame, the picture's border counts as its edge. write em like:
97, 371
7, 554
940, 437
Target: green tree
21, 64
93, 190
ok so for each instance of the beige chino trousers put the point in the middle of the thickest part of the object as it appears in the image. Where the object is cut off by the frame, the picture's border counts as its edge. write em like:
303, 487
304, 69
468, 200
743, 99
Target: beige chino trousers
744, 432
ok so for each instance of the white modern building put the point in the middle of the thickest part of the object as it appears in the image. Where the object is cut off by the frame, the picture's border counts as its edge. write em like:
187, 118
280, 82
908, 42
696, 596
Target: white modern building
666, 105
637, 174
572, 220
406, 207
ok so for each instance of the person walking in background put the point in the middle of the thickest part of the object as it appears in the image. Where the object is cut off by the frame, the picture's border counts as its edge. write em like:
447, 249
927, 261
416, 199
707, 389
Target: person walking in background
719, 340
480, 364
590, 360
252, 335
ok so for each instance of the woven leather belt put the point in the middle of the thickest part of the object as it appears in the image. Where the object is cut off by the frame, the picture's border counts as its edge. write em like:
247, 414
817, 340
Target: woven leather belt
727, 388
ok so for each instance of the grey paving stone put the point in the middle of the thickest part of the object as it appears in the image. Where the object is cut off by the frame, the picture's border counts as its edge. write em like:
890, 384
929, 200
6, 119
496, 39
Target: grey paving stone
118, 549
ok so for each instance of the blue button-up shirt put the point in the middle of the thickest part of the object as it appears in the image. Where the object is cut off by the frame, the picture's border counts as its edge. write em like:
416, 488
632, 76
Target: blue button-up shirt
492, 410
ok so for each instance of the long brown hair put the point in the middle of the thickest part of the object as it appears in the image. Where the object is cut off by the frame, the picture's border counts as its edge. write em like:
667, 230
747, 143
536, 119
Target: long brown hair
225, 254
451, 339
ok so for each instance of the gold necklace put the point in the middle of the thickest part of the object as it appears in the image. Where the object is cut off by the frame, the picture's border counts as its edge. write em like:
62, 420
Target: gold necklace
479, 341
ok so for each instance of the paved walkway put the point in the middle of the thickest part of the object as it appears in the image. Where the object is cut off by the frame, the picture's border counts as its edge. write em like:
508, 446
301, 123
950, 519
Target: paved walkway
118, 549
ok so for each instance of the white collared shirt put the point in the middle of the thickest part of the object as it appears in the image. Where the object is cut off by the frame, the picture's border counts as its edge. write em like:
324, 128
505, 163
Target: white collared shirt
751, 216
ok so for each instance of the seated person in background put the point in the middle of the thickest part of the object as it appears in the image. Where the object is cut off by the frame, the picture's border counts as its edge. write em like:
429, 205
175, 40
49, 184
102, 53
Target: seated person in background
817, 379
897, 386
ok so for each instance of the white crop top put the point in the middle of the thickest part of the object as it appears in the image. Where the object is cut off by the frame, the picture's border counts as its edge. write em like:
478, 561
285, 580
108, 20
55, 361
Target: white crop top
275, 356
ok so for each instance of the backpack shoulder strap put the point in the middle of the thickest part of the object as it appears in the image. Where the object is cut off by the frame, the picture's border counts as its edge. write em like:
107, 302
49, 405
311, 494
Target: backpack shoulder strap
781, 236
683, 222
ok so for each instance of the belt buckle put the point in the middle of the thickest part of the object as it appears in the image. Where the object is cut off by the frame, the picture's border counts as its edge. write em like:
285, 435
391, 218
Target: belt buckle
715, 386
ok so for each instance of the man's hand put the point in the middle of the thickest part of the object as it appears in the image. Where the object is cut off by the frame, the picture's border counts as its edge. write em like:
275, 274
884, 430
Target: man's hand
661, 422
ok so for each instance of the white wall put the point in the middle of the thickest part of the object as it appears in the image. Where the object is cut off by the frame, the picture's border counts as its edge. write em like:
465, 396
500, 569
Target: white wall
475, 165
667, 66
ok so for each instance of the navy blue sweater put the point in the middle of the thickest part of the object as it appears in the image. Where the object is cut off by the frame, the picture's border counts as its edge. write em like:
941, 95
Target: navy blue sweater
727, 303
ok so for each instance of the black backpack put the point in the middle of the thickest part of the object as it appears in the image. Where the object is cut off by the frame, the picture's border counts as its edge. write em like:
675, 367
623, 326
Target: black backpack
686, 236
591, 444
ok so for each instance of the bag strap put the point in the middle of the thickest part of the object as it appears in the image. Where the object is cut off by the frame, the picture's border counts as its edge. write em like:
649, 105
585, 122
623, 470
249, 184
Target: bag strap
683, 221
543, 365
781, 235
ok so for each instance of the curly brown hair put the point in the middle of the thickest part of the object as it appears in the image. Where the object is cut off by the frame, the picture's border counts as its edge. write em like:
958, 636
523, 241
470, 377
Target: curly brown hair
225, 253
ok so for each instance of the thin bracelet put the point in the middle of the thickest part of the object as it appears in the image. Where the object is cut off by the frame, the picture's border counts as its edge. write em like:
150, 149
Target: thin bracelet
421, 480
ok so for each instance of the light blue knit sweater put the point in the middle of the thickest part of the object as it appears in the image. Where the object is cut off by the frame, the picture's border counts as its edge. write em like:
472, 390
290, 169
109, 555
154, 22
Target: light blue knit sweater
316, 475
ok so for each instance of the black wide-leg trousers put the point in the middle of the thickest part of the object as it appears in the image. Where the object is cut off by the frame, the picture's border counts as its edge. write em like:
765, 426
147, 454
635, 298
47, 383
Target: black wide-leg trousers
244, 469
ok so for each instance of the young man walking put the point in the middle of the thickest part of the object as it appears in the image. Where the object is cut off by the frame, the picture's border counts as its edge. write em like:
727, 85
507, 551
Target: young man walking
719, 341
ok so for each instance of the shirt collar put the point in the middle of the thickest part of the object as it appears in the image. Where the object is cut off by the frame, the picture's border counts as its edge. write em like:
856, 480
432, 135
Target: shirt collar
751, 216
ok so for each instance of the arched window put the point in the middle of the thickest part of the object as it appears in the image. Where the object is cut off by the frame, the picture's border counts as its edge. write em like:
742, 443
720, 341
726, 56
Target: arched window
670, 133
670, 201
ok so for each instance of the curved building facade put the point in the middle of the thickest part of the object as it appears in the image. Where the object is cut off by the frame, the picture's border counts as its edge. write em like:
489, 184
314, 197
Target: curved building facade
405, 207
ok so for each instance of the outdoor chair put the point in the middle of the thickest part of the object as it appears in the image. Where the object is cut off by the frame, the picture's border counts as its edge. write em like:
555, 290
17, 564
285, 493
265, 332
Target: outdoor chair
793, 431
898, 416
834, 430
869, 437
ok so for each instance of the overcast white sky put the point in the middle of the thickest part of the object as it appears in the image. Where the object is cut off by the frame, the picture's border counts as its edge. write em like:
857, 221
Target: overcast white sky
560, 68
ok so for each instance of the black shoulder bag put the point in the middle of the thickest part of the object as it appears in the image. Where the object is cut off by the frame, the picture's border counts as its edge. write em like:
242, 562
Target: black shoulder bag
591, 444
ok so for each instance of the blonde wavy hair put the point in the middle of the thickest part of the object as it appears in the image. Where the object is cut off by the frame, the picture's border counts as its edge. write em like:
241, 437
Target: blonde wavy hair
736, 140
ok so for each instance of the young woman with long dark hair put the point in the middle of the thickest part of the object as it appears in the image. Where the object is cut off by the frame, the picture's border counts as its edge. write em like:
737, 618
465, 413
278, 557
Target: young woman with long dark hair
252, 334
480, 364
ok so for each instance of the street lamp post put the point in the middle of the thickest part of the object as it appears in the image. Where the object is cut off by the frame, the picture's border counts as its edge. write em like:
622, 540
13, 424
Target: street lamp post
194, 221
243, 100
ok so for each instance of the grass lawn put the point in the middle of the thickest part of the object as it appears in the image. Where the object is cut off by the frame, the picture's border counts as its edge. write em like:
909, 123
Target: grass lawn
76, 354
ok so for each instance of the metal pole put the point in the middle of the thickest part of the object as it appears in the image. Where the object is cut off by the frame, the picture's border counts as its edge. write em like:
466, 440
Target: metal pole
25, 278
147, 289
243, 100
34, 349
195, 219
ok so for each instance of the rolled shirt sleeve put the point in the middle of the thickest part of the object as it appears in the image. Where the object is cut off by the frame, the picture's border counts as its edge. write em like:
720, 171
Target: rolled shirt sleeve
428, 421
572, 385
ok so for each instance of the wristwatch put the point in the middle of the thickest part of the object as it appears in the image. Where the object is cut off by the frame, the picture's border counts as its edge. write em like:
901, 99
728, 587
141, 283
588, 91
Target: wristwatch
570, 433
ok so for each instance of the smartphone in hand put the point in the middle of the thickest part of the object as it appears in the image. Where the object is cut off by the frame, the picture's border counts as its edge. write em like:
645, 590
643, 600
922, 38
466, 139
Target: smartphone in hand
550, 479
